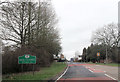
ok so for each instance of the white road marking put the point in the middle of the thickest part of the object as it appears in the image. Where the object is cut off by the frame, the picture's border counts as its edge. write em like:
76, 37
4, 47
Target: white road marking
97, 65
62, 74
90, 70
110, 77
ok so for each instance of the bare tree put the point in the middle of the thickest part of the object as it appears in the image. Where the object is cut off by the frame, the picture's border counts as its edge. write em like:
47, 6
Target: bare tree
29, 23
107, 35
32, 26
16, 21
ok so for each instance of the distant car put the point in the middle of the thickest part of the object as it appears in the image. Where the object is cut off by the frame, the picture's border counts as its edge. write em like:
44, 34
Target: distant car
61, 59
71, 60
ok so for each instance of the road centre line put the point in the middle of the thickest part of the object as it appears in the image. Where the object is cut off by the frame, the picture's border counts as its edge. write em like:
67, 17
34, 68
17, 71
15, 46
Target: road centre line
62, 74
90, 70
110, 77
97, 65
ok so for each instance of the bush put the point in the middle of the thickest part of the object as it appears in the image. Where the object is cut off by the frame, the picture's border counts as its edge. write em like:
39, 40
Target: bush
10, 59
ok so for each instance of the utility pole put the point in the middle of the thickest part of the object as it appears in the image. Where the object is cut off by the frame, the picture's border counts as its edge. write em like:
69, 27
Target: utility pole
86, 56
106, 55
1, 60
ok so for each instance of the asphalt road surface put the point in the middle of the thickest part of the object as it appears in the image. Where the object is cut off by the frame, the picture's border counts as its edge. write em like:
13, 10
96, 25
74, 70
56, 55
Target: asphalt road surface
80, 72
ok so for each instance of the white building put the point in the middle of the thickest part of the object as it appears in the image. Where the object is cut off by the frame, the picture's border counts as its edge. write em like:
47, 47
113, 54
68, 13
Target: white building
77, 55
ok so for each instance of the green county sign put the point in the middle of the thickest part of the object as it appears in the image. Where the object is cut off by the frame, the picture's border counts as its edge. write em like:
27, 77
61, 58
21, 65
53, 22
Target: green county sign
27, 59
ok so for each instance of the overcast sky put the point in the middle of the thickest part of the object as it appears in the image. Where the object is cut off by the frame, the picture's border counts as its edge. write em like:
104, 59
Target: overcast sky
79, 18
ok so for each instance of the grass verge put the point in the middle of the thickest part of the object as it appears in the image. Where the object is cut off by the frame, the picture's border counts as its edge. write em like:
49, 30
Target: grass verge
44, 74
108, 64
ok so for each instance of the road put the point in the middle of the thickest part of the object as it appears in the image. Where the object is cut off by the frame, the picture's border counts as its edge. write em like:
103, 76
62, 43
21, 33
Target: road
81, 72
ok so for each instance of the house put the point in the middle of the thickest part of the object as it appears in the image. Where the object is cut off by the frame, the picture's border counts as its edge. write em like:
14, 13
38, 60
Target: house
62, 58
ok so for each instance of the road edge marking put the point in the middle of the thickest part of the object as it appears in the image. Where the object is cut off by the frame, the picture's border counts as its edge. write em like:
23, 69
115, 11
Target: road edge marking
62, 74
110, 77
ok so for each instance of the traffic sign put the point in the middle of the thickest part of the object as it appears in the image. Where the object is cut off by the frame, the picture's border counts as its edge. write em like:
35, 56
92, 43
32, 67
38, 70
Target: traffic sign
98, 54
27, 59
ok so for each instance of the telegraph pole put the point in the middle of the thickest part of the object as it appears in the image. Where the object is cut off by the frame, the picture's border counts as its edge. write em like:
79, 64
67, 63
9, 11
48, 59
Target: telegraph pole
106, 55
1, 60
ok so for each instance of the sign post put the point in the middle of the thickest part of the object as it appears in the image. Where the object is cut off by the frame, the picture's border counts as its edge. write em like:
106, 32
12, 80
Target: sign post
33, 69
98, 55
27, 59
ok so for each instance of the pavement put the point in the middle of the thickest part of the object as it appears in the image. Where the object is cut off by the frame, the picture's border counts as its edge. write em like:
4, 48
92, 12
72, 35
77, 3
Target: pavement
81, 72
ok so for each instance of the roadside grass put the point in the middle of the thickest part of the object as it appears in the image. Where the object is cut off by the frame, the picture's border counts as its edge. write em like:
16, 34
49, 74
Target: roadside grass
108, 64
44, 74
